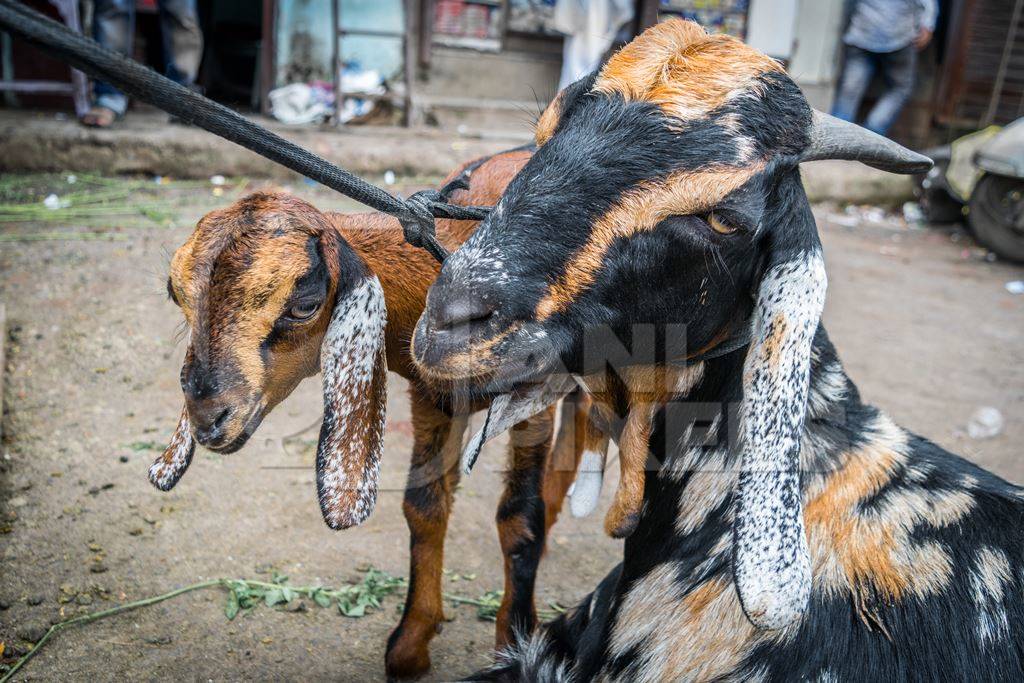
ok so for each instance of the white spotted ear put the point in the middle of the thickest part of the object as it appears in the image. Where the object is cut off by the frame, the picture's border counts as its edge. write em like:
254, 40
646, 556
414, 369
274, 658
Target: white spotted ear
771, 562
354, 367
166, 470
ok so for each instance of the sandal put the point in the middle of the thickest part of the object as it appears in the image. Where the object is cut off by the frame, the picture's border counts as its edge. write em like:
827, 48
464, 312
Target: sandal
99, 117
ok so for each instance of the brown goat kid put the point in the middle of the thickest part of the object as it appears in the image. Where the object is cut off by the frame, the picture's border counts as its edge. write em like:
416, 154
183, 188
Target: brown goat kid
273, 291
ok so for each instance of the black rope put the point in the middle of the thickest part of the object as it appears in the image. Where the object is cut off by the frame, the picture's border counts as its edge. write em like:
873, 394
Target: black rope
415, 214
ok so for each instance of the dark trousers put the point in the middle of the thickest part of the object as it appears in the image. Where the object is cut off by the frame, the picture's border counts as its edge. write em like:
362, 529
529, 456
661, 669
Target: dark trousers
896, 68
114, 27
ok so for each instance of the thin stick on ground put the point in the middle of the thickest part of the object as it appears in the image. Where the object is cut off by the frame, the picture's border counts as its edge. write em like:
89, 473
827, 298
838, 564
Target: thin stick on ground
86, 618
352, 600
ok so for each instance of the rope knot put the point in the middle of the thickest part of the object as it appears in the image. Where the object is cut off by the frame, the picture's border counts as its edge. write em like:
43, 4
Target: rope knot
421, 208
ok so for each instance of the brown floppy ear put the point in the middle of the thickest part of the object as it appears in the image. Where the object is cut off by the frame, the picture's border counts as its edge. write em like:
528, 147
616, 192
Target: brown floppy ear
166, 470
354, 367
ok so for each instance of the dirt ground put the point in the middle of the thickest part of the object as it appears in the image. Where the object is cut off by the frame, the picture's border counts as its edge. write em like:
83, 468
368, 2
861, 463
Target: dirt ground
923, 324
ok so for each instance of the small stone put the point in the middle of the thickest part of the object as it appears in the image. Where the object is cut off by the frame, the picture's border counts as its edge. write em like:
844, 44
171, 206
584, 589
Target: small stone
98, 568
18, 501
267, 640
123, 458
135, 532
32, 632
148, 520
95, 547
36, 599
159, 640
5, 603
84, 599
985, 423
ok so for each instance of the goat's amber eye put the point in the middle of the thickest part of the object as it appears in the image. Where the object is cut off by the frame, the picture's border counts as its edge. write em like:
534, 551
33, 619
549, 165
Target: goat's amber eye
303, 311
719, 225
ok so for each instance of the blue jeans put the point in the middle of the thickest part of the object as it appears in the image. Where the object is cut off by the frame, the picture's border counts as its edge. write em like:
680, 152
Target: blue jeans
897, 68
114, 27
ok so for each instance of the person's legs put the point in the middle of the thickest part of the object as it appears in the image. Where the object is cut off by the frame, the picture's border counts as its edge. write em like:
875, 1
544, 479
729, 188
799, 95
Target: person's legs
858, 70
113, 27
182, 39
898, 69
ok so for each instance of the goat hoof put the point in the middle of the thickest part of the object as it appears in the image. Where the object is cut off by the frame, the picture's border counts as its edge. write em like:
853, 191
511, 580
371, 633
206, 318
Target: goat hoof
408, 657
407, 665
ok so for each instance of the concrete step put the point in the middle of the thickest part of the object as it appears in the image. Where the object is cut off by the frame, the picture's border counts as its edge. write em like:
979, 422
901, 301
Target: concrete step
144, 142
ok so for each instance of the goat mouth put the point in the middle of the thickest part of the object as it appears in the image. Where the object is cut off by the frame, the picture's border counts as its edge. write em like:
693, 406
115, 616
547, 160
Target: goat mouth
249, 427
519, 354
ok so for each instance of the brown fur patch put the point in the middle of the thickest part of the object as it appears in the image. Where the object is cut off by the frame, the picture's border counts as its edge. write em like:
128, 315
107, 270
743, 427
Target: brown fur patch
548, 120
677, 66
654, 613
640, 210
871, 553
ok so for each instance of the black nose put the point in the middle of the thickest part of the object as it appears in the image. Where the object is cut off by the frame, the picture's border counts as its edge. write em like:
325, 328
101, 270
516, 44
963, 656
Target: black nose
461, 310
208, 420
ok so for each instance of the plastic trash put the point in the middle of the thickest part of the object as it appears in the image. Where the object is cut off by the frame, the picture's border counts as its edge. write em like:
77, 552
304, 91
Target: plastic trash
299, 103
985, 423
72, 179
217, 180
1015, 286
53, 202
389, 177
912, 213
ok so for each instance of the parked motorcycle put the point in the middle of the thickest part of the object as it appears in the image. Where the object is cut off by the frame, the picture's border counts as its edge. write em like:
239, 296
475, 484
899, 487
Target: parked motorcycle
981, 176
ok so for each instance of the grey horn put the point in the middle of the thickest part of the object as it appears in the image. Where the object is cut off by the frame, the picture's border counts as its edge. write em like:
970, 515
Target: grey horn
833, 138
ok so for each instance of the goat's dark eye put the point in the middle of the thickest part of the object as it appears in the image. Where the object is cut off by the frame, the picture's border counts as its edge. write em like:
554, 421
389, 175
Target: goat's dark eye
303, 311
719, 224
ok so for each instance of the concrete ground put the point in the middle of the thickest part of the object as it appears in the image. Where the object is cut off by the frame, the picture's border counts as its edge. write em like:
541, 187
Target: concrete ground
923, 324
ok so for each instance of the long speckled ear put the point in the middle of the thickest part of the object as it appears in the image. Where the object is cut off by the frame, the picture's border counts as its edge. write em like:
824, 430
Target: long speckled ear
354, 368
166, 470
507, 410
771, 563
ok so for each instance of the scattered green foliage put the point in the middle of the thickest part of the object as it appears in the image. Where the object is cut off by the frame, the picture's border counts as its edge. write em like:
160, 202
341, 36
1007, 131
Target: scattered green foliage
92, 207
353, 600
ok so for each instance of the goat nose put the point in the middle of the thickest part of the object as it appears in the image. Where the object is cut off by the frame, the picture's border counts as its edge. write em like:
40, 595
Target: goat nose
461, 312
208, 420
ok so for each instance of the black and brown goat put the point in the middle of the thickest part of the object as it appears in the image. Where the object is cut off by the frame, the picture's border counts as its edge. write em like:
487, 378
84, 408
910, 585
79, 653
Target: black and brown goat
788, 531
274, 290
